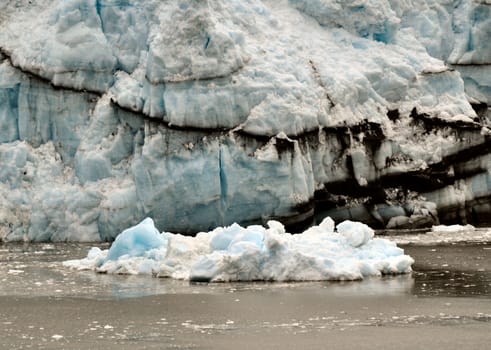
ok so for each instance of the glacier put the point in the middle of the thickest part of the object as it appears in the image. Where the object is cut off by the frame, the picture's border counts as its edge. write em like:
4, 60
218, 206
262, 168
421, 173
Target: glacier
253, 253
200, 114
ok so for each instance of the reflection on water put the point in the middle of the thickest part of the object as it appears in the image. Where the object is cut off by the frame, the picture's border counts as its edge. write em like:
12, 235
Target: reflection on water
452, 283
36, 270
452, 270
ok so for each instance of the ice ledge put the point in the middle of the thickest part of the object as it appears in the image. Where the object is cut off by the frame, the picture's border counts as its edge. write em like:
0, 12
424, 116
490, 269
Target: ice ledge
223, 65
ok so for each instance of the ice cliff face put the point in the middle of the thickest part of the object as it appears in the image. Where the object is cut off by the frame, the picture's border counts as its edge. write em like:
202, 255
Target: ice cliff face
202, 113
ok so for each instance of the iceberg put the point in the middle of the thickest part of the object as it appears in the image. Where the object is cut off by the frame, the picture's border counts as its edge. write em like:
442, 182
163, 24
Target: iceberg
252, 253
202, 113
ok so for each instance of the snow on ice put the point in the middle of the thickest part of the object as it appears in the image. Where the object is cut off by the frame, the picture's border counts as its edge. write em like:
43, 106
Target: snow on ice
236, 253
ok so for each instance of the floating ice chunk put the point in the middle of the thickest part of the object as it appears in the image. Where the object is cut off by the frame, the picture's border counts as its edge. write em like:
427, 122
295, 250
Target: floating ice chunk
276, 227
472, 236
356, 233
452, 228
327, 224
94, 259
224, 236
137, 241
236, 253
94, 252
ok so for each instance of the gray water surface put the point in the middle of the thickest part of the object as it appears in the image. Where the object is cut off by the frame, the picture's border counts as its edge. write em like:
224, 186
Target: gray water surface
444, 304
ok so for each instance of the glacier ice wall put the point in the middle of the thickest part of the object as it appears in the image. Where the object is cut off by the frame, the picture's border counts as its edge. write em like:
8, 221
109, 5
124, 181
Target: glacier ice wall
202, 113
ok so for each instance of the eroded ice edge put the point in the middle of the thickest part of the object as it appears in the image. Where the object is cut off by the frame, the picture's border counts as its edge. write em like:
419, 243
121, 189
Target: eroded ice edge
348, 251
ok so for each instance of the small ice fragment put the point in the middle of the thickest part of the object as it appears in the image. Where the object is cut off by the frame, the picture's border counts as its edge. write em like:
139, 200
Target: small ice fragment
57, 336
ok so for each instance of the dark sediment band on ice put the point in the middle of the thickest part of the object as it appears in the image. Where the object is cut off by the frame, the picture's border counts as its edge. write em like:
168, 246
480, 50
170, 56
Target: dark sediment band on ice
431, 122
35, 75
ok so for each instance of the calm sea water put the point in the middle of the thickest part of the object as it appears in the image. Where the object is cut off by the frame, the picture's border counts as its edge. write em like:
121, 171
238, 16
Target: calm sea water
445, 303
